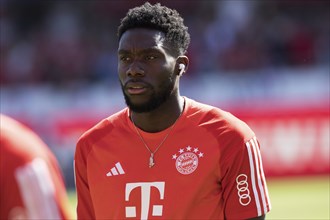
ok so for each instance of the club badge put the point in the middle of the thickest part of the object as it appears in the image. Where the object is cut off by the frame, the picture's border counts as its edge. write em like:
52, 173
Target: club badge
186, 160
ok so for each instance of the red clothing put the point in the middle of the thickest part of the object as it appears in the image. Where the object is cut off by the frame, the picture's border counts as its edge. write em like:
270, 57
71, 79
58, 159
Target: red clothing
31, 183
209, 167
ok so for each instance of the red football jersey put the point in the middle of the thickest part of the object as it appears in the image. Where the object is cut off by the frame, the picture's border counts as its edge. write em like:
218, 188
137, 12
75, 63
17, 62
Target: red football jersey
31, 183
209, 167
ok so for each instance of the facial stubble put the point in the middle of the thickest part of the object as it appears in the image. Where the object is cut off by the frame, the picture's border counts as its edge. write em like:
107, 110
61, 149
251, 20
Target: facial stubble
156, 98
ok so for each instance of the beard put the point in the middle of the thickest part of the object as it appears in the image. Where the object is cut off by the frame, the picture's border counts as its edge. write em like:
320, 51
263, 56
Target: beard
155, 100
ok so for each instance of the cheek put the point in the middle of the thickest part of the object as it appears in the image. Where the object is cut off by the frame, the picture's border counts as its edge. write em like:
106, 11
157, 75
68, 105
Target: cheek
121, 73
170, 78
166, 82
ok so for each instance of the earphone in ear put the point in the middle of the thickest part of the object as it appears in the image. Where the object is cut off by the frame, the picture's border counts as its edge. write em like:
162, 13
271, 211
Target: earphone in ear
181, 68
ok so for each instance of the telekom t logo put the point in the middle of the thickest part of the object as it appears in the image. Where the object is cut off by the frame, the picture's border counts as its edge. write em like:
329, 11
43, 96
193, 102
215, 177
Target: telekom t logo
157, 210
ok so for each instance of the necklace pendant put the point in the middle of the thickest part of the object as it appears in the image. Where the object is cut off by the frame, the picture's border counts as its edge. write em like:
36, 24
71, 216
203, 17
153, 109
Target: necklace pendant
151, 161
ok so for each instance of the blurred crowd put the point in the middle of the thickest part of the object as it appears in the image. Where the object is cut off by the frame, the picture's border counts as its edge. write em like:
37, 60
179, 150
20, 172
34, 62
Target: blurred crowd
65, 42
50, 50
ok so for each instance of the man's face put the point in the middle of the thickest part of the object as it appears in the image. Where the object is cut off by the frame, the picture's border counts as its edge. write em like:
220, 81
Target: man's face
146, 69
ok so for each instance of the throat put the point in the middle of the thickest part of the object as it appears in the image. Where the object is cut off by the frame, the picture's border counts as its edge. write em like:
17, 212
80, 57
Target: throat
155, 126
159, 119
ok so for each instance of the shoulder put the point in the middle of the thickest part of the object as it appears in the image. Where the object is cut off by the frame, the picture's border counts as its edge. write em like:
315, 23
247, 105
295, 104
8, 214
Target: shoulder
103, 127
20, 146
19, 140
98, 133
218, 121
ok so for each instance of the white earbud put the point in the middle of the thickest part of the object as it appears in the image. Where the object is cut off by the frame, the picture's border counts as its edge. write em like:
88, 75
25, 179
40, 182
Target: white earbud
181, 68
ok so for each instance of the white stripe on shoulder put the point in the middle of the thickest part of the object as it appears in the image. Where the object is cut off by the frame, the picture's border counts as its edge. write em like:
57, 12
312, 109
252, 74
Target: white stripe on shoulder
257, 176
37, 190
263, 188
253, 177
260, 172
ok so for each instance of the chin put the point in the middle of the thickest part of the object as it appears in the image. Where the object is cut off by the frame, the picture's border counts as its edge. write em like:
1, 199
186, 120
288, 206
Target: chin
141, 104
146, 106
139, 107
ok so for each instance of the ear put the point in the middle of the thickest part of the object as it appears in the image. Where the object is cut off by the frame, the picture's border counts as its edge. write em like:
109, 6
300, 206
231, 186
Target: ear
182, 63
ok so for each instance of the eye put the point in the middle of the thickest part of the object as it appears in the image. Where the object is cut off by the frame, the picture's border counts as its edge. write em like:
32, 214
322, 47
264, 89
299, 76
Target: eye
150, 57
124, 59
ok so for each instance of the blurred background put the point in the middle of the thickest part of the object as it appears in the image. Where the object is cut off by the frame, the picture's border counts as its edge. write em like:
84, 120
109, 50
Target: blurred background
267, 62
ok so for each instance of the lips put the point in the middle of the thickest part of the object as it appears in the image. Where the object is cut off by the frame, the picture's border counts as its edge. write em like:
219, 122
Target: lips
136, 88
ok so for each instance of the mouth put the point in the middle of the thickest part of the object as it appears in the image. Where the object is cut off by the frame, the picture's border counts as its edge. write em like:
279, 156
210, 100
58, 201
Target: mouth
136, 88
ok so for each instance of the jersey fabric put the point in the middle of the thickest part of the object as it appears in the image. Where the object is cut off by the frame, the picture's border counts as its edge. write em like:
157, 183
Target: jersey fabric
209, 167
31, 183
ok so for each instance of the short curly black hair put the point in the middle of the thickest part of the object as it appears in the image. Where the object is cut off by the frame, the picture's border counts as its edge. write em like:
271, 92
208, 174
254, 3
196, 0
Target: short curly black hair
161, 18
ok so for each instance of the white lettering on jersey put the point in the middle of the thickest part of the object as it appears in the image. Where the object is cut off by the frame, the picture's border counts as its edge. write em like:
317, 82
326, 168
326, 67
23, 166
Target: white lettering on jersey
157, 210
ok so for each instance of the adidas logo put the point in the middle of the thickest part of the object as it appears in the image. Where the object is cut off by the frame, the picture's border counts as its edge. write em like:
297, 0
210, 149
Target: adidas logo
116, 170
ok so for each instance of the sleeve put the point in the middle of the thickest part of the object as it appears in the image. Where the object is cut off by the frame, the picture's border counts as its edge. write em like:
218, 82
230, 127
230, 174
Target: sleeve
42, 186
31, 181
85, 209
245, 190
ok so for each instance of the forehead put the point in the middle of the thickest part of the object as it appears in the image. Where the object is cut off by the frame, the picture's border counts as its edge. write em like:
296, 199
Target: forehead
141, 38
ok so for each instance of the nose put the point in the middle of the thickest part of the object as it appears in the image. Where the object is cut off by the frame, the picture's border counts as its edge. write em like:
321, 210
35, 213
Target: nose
135, 70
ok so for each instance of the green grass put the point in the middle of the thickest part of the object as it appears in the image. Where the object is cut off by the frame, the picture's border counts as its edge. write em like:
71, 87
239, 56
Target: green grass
299, 198
73, 201
291, 198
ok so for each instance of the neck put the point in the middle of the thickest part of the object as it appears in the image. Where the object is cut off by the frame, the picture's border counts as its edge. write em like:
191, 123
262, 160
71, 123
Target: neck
161, 118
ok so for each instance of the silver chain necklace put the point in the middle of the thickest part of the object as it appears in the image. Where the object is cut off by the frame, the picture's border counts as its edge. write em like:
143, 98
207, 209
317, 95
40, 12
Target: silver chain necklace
151, 158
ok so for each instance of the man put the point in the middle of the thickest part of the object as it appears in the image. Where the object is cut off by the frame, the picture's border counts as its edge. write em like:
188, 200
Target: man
166, 156
31, 184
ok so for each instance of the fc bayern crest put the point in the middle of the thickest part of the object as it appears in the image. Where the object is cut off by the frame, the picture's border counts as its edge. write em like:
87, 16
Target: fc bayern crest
186, 161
